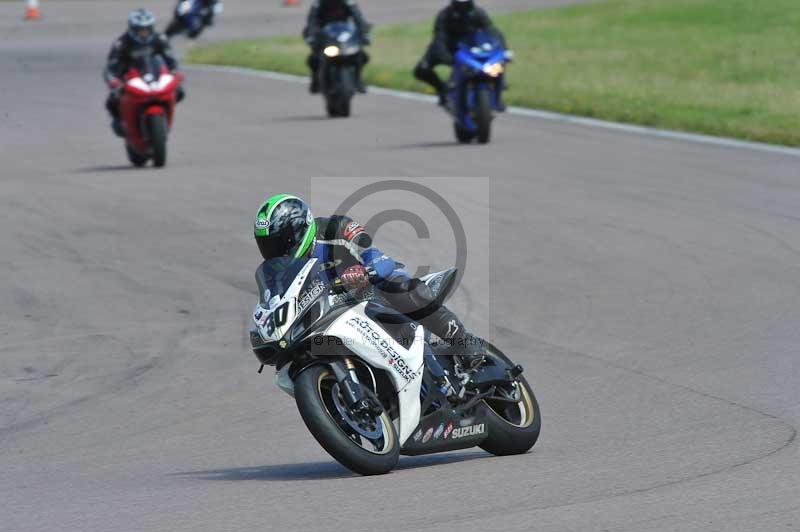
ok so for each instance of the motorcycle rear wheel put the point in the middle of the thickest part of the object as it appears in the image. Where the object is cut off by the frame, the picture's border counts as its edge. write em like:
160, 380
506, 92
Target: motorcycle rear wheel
157, 127
313, 391
513, 428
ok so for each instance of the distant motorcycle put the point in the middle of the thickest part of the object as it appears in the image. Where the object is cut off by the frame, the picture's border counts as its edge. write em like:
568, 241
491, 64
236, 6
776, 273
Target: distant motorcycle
147, 104
341, 46
192, 17
476, 85
368, 381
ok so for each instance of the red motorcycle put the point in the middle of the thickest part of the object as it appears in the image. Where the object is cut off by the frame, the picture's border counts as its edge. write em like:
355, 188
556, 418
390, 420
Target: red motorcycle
146, 105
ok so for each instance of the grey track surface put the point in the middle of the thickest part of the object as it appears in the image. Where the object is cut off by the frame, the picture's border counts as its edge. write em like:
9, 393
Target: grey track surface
648, 286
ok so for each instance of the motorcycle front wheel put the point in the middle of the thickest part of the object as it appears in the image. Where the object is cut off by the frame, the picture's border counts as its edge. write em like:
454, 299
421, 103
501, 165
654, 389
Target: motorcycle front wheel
157, 127
483, 115
368, 446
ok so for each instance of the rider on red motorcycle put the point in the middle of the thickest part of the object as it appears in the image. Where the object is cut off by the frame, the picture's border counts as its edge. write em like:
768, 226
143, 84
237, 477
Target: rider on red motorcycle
140, 40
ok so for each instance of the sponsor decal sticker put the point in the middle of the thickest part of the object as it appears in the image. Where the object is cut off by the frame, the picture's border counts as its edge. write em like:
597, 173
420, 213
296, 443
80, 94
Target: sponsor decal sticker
309, 296
262, 223
374, 338
466, 421
418, 435
448, 430
260, 316
464, 432
439, 431
428, 434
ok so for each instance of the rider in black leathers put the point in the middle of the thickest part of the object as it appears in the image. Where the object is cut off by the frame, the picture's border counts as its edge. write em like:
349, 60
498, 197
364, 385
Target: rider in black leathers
326, 11
141, 40
453, 23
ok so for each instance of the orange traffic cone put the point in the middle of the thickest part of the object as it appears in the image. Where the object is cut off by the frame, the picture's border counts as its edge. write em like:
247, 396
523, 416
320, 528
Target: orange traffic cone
32, 11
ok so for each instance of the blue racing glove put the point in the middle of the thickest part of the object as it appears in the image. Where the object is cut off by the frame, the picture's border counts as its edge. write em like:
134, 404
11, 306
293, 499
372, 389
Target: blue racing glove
376, 260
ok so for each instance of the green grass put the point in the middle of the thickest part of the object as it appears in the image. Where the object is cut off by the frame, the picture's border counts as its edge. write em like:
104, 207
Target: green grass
721, 67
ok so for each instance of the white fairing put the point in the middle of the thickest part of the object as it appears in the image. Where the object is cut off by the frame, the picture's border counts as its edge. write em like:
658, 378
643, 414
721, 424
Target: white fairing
369, 341
263, 315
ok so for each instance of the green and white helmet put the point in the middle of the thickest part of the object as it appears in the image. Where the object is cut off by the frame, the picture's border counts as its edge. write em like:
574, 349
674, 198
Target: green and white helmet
285, 227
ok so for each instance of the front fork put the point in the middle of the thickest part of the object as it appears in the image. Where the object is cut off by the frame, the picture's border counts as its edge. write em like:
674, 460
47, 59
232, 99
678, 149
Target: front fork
352, 390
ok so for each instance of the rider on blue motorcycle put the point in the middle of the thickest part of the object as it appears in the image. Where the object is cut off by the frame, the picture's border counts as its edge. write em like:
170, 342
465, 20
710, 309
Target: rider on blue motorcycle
139, 41
324, 12
454, 23
208, 9
285, 227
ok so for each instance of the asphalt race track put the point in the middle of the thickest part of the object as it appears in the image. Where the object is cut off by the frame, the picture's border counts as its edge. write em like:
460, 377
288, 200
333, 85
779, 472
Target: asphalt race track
649, 287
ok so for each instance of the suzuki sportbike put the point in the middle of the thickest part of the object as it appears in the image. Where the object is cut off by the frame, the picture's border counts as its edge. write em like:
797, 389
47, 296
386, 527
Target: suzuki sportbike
341, 56
476, 86
192, 17
369, 382
147, 106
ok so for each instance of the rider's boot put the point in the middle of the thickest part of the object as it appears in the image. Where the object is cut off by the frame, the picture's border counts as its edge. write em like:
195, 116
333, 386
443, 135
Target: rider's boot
116, 127
360, 87
313, 88
442, 94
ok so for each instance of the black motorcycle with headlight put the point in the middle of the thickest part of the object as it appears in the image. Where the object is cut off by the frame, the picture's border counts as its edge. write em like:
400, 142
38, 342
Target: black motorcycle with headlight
370, 384
342, 54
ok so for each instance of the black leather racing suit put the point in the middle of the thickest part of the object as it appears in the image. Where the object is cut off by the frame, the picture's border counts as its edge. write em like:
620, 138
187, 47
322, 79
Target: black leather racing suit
451, 26
123, 55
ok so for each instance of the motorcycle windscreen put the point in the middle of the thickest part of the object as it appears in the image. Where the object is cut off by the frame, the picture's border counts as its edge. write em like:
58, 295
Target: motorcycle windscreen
275, 276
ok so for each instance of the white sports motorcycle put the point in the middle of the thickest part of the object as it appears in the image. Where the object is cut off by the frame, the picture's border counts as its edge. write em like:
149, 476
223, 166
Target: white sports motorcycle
368, 381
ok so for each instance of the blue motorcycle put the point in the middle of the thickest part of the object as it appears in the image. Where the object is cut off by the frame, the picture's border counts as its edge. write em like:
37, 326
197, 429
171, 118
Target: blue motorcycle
476, 85
192, 17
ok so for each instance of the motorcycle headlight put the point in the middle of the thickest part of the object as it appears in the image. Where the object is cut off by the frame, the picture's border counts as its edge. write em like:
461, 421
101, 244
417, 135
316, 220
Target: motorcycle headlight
331, 51
494, 69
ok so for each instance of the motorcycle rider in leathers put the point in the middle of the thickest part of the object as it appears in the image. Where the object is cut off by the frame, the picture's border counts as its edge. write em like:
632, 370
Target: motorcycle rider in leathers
455, 22
323, 12
139, 41
285, 227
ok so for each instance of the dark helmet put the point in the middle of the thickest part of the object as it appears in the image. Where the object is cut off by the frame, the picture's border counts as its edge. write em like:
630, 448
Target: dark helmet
141, 26
285, 227
462, 6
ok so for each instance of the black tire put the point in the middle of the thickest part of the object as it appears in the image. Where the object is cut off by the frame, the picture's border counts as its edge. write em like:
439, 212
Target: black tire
509, 434
463, 135
137, 159
483, 115
157, 130
338, 100
308, 392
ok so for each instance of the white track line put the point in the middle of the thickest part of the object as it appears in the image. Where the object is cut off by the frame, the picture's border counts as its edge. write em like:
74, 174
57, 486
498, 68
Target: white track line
534, 113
